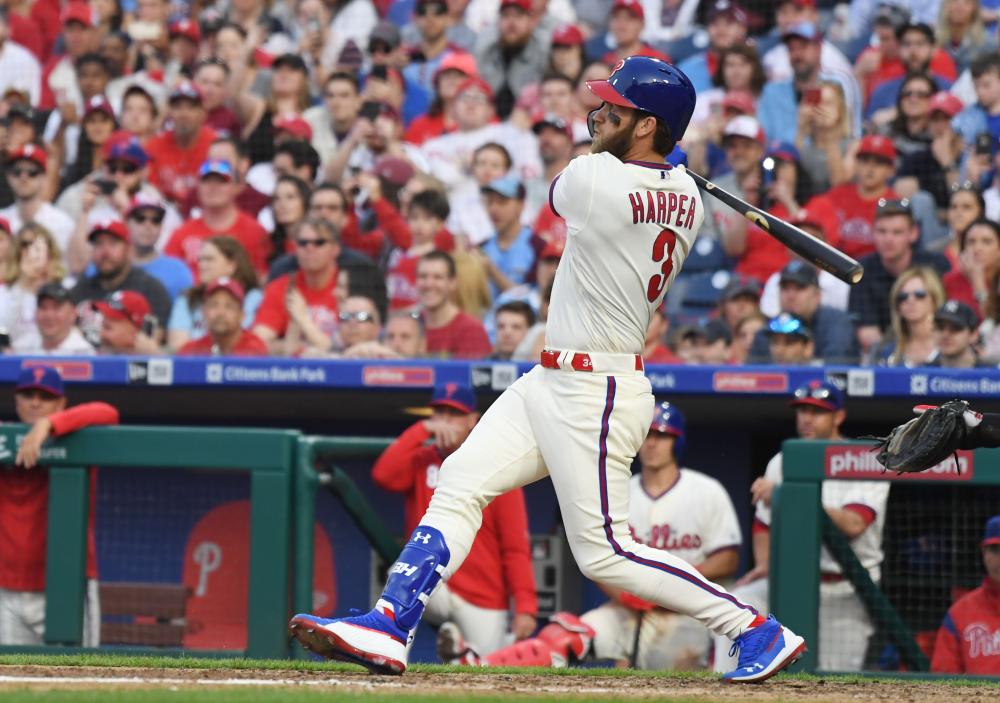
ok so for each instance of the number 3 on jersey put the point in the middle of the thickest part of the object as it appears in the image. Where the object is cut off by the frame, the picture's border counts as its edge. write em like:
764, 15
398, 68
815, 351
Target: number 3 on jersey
663, 250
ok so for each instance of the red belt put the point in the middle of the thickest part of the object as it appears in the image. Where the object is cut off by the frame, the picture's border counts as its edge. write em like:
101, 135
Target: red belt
831, 578
580, 361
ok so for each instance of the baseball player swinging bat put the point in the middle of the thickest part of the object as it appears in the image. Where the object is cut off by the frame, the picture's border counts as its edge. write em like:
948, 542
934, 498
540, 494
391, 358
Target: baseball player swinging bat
813, 250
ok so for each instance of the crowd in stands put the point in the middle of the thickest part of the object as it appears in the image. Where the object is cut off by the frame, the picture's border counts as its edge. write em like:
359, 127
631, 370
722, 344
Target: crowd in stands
370, 179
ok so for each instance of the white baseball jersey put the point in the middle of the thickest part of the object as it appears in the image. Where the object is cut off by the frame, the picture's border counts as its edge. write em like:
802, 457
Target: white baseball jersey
866, 497
630, 226
692, 519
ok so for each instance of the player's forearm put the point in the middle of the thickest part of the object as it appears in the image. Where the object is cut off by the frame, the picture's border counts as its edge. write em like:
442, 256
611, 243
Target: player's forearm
721, 564
847, 521
762, 547
985, 434
85, 415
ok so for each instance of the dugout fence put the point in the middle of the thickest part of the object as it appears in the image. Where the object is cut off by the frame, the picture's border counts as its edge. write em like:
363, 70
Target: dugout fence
930, 537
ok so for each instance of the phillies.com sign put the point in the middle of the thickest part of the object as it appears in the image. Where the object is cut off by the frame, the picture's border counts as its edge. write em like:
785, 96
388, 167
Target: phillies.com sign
854, 462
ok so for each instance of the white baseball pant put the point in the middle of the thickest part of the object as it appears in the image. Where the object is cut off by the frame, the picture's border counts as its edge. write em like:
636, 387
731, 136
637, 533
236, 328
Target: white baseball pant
583, 430
22, 617
484, 629
844, 626
666, 640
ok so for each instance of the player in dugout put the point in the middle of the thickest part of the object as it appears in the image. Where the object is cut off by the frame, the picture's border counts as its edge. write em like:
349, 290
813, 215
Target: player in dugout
679, 510
968, 641
856, 507
474, 605
40, 401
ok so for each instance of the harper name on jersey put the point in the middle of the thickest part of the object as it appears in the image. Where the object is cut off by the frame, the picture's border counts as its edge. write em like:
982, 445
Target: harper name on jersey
660, 207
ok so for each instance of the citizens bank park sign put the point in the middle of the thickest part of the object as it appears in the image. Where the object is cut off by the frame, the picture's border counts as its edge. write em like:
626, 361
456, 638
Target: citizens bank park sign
852, 462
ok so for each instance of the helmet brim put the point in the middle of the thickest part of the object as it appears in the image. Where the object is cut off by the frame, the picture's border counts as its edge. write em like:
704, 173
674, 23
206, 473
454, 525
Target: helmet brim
606, 92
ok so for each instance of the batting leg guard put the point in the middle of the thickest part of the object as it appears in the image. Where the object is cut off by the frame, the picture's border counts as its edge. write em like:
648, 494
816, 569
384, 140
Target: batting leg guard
568, 636
531, 652
413, 577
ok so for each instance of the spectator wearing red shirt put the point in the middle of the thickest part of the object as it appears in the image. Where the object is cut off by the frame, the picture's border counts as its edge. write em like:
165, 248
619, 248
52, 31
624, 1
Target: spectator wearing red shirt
301, 309
179, 152
628, 20
210, 77
848, 210
450, 332
967, 642
80, 37
217, 189
655, 351
455, 68
223, 312
757, 254
978, 267
498, 569
40, 401
425, 217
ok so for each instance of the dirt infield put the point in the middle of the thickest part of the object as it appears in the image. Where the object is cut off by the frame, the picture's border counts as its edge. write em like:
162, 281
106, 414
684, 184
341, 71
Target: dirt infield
477, 683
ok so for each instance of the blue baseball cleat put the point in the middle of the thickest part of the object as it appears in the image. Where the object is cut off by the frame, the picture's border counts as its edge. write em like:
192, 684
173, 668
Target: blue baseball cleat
373, 640
764, 651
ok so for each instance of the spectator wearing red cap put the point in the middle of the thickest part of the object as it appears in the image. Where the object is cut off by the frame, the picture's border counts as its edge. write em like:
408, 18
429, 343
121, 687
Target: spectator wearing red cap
934, 169
300, 309
497, 573
185, 39
848, 210
59, 84
515, 58
211, 78
217, 189
628, 22
25, 171
426, 214
223, 311
788, 14
332, 120
781, 101
726, 23
965, 642
125, 317
566, 55
40, 401
179, 152
19, 67
451, 333
453, 69
114, 272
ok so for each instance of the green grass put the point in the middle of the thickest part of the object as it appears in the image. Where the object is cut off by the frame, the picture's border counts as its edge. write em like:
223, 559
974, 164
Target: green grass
257, 695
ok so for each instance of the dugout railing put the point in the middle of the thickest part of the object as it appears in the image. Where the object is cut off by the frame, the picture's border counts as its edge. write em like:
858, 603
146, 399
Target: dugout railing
268, 456
799, 528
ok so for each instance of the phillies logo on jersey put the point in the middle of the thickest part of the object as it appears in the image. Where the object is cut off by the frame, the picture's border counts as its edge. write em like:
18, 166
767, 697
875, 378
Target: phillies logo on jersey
982, 641
663, 537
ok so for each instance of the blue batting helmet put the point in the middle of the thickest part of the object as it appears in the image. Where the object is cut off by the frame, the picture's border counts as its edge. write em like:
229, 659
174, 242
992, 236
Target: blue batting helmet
669, 420
652, 85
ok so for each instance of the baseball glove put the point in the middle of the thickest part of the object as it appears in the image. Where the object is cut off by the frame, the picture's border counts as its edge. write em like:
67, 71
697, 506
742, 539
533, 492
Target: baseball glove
928, 439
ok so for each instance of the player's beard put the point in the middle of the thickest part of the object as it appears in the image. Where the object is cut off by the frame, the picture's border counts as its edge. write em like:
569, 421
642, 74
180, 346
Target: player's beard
616, 144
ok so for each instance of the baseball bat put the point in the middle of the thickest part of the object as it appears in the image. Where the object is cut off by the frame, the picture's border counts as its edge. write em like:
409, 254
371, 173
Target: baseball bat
633, 660
813, 250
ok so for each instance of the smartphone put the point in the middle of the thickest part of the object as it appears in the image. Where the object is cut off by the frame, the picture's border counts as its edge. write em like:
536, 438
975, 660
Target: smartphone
149, 326
105, 185
144, 31
371, 108
984, 144
811, 96
380, 71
